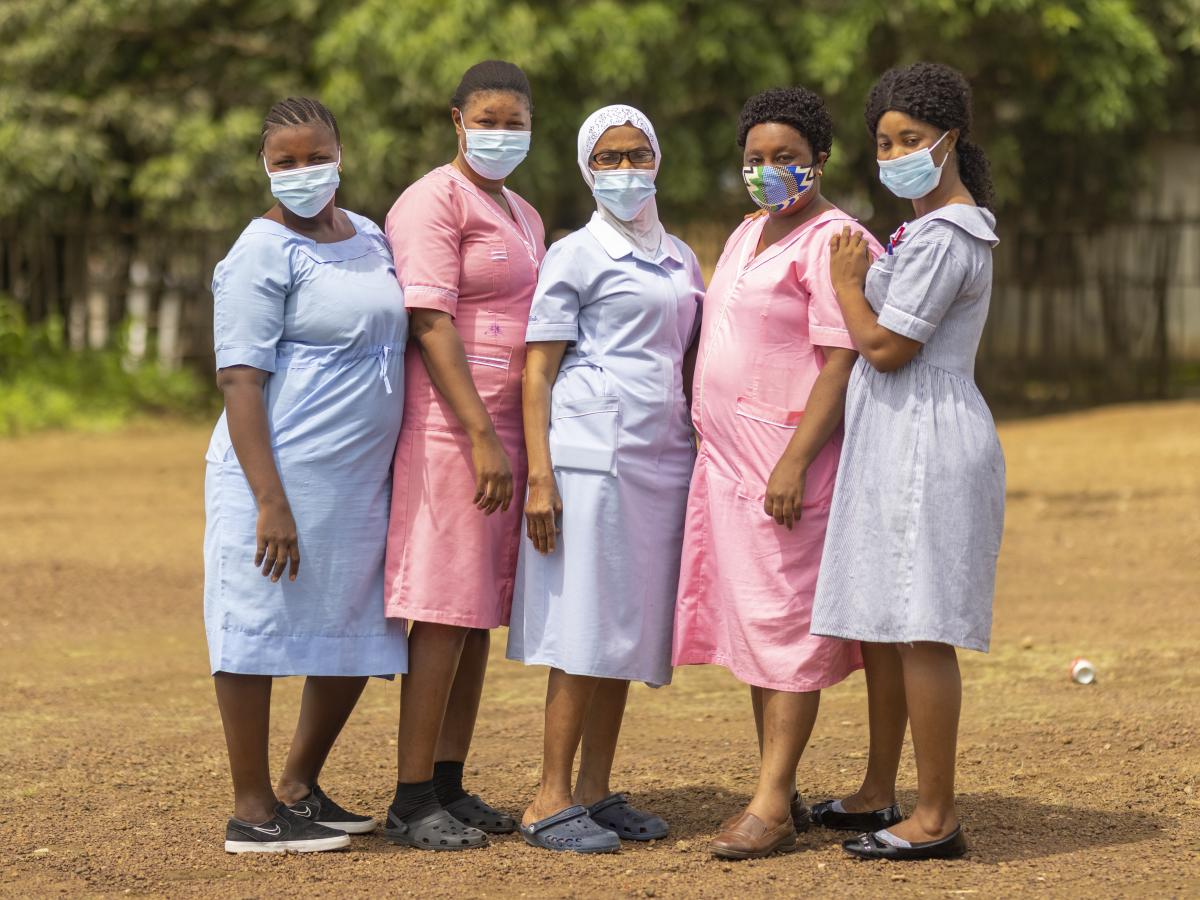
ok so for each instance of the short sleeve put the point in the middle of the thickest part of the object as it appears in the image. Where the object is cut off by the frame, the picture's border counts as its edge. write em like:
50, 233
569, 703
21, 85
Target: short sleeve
250, 288
926, 280
826, 325
424, 229
554, 315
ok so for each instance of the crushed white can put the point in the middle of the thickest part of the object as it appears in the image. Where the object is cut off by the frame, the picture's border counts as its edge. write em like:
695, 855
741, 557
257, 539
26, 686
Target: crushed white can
1082, 671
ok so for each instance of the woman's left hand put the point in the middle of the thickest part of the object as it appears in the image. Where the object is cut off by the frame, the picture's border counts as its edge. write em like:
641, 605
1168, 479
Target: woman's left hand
785, 491
849, 259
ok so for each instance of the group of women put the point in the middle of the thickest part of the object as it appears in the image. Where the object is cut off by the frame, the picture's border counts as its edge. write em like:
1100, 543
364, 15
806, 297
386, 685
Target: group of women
440, 428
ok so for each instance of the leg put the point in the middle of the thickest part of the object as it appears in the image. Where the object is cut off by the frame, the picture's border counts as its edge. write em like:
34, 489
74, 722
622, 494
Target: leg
245, 704
788, 720
887, 713
324, 709
600, 740
568, 698
933, 689
433, 655
756, 700
458, 724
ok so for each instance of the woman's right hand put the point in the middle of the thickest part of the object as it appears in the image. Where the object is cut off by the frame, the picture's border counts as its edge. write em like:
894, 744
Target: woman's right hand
493, 475
542, 509
277, 541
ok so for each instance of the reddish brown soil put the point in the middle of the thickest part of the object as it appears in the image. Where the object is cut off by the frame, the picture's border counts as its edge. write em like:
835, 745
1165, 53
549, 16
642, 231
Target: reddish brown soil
113, 778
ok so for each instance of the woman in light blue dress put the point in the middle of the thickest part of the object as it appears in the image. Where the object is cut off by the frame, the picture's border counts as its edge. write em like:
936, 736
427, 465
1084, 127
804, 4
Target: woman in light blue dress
310, 326
909, 564
616, 310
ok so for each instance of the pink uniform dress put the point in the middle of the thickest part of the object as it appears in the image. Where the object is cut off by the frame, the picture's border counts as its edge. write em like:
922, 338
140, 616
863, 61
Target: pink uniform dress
746, 585
456, 250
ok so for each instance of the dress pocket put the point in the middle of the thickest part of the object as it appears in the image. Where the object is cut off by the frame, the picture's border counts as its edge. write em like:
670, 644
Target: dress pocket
490, 371
764, 431
583, 434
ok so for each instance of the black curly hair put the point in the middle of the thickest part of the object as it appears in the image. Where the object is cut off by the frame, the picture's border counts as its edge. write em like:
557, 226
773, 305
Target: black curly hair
491, 75
797, 107
298, 111
938, 95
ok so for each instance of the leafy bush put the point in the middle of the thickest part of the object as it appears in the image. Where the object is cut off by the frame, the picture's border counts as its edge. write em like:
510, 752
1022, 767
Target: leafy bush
44, 384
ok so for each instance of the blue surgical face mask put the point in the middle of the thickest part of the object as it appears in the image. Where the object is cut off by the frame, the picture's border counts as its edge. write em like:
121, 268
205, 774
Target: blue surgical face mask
624, 192
914, 175
305, 191
494, 153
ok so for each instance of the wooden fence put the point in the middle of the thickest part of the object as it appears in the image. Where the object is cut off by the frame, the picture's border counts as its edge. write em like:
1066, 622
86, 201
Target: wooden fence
1076, 315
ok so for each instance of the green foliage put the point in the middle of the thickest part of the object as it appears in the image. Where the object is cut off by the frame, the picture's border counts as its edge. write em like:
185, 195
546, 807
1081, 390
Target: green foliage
45, 385
149, 110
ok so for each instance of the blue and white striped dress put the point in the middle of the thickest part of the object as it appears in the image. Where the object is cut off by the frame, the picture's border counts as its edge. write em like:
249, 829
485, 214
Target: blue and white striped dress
918, 511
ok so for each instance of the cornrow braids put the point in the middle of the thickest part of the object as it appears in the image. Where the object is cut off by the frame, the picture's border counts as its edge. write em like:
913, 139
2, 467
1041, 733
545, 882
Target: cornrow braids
491, 75
298, 111
940, 96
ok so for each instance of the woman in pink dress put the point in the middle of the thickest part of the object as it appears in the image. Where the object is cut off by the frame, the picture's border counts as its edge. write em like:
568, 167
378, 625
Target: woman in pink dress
467, 252
767, 400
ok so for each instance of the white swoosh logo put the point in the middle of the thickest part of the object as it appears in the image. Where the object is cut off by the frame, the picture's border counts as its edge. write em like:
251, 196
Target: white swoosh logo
302, 810
273, 830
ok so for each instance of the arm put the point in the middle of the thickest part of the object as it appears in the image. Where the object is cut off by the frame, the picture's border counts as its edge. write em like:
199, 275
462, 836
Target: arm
849, 260
446, 359
822, 415
246, 413
543, 505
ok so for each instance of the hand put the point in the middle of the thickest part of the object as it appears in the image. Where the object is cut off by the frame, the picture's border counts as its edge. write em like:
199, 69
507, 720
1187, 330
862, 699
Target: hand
785, 491
542, 509
277, 541
757, 214
493, 475
849, 259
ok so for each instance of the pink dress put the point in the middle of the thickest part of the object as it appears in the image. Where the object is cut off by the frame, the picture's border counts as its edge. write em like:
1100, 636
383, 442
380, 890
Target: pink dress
746, 585
456, 250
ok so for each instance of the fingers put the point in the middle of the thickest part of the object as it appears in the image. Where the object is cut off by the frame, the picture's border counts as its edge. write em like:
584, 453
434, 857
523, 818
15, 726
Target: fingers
282, 555
541, 531
294, 557
784, 510
261, 553
269, 558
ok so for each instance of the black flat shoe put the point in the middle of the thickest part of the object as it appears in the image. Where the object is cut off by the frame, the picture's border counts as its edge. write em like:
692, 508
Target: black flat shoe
826, 816
868, 846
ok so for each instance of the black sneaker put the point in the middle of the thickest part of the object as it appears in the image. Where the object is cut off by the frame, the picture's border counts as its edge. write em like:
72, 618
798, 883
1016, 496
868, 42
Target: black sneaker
317, 807
285, 833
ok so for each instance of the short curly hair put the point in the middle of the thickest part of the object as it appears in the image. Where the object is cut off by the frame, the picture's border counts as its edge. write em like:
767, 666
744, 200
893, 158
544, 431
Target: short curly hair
796, 107
939, 96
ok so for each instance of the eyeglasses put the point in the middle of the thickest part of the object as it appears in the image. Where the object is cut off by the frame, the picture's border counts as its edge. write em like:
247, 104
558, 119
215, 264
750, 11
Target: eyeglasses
610, 159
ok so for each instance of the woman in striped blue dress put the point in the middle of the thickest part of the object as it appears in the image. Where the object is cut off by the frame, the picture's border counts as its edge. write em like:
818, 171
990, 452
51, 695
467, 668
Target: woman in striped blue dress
909, 562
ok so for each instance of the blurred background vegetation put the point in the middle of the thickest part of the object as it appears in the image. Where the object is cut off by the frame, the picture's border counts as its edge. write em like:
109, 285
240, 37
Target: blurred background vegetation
128, 133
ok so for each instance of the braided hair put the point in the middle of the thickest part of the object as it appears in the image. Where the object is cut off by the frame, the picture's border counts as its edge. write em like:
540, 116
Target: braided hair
491, 75
796, 107
939, 96
298, 111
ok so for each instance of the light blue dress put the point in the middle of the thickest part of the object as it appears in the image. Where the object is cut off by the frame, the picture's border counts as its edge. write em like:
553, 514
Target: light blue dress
603, 602
918, 510
328, 322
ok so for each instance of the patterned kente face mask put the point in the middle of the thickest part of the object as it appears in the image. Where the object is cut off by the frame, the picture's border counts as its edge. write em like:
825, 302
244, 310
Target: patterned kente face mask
776, 188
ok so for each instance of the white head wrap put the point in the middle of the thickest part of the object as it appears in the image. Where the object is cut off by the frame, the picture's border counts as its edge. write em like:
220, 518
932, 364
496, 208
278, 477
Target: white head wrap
643, 231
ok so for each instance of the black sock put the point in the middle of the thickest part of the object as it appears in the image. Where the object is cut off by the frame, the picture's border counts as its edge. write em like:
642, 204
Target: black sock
414, 801
447, 781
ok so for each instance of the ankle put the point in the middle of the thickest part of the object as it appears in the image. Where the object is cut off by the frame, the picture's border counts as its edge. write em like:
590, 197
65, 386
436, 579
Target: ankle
874, 797
254, 810
772, 805
587, 794
290, 790
935, 821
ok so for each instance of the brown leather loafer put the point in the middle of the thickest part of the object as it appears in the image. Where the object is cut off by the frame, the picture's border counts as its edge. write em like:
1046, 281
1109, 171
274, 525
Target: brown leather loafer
748, 837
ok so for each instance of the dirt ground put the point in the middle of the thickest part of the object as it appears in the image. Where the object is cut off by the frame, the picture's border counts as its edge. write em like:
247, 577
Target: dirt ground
112, 767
